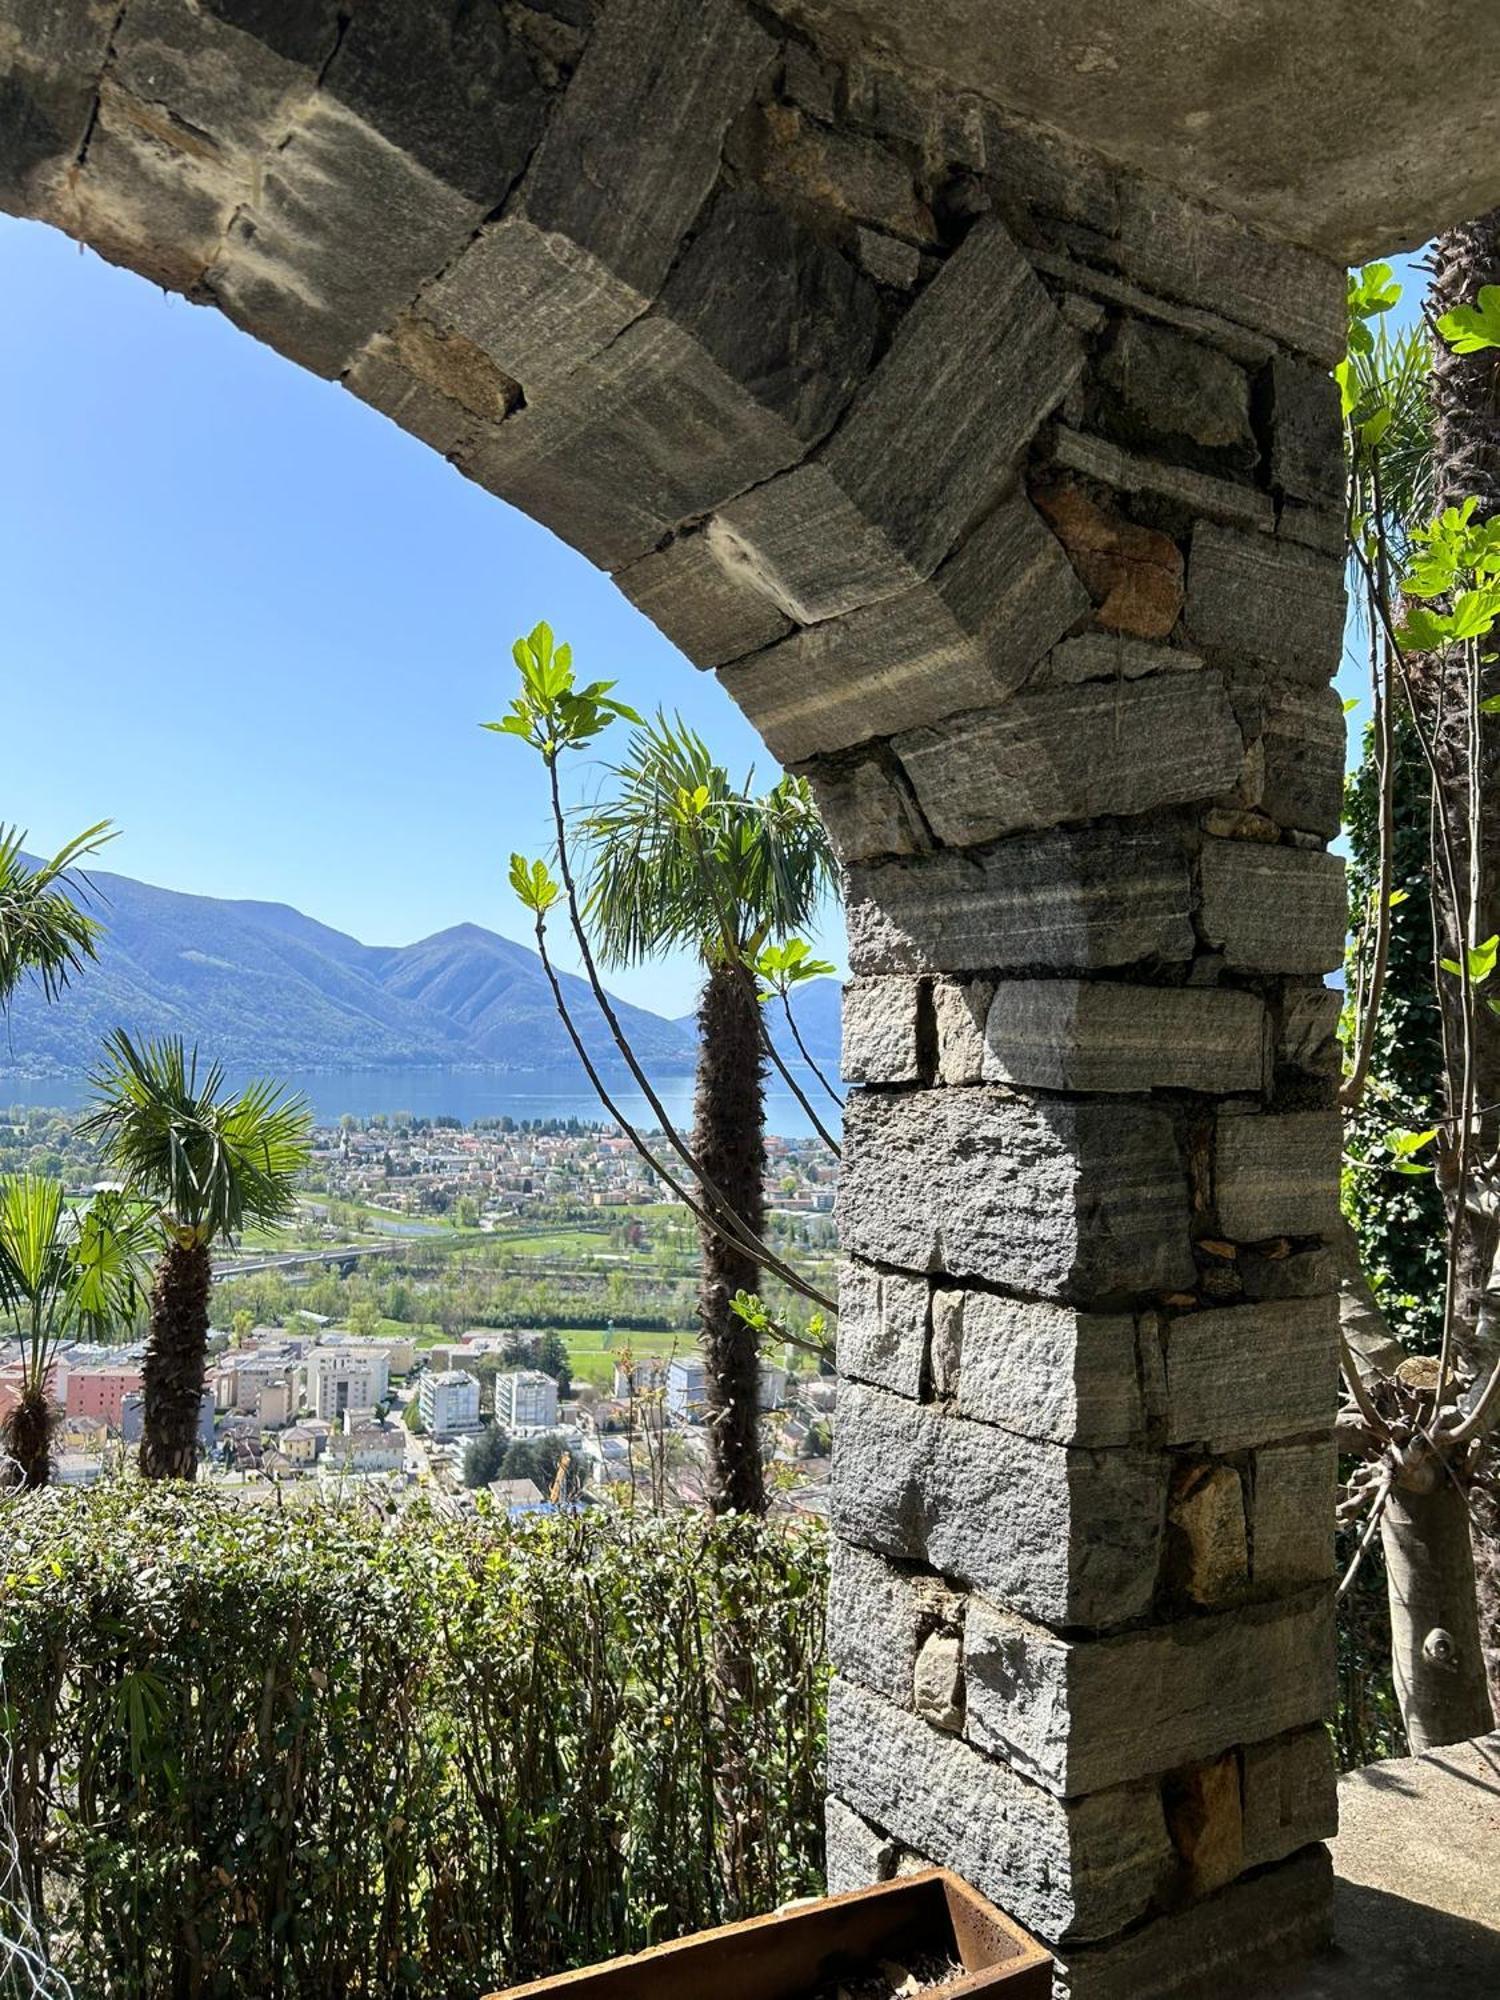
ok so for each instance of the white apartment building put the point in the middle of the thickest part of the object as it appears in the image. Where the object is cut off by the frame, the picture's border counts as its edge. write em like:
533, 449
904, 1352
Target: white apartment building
448, 1402
526, 1400
340, 1379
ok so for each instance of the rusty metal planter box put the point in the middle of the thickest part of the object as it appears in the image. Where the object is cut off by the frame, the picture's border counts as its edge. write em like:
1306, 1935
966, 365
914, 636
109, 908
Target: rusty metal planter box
800, 1952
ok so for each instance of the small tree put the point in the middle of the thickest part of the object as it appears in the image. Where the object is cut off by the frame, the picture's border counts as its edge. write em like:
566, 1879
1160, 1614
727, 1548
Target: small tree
209, 1163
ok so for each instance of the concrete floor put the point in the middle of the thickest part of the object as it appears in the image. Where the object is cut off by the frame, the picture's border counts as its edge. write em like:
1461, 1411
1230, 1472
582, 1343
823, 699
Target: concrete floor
1418, 1860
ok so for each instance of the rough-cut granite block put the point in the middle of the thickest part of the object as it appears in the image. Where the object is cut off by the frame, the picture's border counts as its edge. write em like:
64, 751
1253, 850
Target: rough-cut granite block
1239, 1375
1078, 1869
1277, 1176
705, 610
1290, 1789
856, 1854
960, 1008
1046, 1371
883, 1024
1078, 1715
1291, 1514
1075, 753
1075, 1201
1256, 598
883, 1328
1063, 1535
1071, 900
1304, 743
1272, 909
1098, 1035
868, 811
879, 1616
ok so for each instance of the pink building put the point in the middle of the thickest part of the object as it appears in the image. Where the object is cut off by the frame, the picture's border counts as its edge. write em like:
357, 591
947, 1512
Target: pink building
99, 1392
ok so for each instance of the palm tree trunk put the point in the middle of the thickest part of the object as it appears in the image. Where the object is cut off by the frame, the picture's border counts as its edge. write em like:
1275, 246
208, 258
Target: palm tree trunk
1466, 460
1435, 1656
729, 1144
176, 1362
26, 1436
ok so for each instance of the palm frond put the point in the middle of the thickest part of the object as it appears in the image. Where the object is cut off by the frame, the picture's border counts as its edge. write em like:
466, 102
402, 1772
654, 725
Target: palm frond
44, 929
61, 1271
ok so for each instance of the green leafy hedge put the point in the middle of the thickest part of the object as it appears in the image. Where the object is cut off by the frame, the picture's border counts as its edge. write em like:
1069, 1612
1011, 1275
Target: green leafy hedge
318, 1753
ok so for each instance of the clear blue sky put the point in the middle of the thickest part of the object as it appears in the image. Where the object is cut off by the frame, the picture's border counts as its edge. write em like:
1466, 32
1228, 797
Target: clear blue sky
256, 625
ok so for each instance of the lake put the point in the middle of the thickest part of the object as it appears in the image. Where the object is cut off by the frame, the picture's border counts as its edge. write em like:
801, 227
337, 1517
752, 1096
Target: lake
465, 1094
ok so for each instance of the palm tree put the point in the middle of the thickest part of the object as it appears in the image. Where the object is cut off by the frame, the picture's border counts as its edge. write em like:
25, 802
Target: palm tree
209, 1164
60, 1273
43, 929
680, 858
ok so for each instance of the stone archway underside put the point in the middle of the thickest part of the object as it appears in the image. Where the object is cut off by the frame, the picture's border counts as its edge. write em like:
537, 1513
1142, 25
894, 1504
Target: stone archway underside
1002, 489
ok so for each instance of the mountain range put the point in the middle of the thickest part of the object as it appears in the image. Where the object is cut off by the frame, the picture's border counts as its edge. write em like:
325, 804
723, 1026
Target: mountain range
266, 987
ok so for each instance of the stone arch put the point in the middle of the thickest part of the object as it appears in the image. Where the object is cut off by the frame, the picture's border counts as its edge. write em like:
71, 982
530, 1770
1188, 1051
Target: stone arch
1001, 489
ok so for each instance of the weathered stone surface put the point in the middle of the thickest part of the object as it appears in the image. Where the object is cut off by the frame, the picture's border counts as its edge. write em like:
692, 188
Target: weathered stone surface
1074, 753
883, 1030
938, 1682
705, 610
1277, 1176
867, 808
1133, 574
1290, 1794
1260, 599
802, 542
1304, 741
1286, 1911
1078, 1715
780, 311
1112, 656
960, 1008
1160, 386
888, 260
856, 1855
1193, 492
381, 376
1067, 1200
1208, 1553
879, 1617
648, 435
1291, 1515
1274, 1271
1073, 900
883, 1328
1083, 1869
1251, 349
940, 125
52, 60
1239, 1375
1307, 432
1068, 1537
1272, 909
832, 176
964, 640
1098, 1035
1045, 1371
1306, 1038
1205, 1819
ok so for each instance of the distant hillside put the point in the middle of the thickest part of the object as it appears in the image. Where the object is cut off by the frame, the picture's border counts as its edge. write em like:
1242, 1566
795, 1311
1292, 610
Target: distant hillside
267, 987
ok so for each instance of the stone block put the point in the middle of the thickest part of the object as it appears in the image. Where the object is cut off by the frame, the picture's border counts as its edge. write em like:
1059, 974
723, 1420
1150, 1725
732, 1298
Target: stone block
1239, 1375
1287, 1911
856, 1854
884, 1023
803, 543
1113, 656
1069, 899
938, 1682
1252, 350
1205, 1818
1291, 1516
1272, 909
1045, 1371
382, 377
1208, 1551
1290, 1790
707, 612
1184, 489
975, 365
782, 312
964, 640
53, 61
1097, 1035
1067, 1537
1307, 432
1277, 1176
833, 176
1079, 1869
1307, 1031
1255, 598
1162, 387
648, 435
1304, 744
888, 260
1078, 1715
867, 807
960, 1008
1074, 753
1133, 574
1276, 1271
207, 81
879, 1617
1062, 1200
883, 1328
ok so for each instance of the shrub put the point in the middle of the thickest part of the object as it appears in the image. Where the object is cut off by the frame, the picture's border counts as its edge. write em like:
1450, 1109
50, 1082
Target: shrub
314, 1753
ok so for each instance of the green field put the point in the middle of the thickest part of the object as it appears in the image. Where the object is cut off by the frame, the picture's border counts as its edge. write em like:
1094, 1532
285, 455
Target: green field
591, 1361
